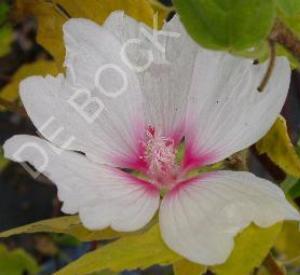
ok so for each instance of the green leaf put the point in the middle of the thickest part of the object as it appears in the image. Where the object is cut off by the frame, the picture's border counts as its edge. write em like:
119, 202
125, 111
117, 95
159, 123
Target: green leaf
289, 13
65, 240
232, 25
105, 272
279, 148
281, 51
288, 243
3, 161
287, 184
184, 267
5, 30
70, 225
129, 252
6, 35
251, 247
16, 262
4, 9
289, 7
294, 192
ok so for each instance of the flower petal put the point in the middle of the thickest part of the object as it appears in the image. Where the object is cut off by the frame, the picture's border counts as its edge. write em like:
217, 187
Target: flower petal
107, 130
217, 91
200, 217
226, 113
90, 48
94, 62
163, 61
102, 195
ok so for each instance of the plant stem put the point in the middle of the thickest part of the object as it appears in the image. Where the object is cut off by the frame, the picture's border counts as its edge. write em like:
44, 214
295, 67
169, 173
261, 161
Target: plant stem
286, 38
12, 107
161, 6
272, 266
270, 68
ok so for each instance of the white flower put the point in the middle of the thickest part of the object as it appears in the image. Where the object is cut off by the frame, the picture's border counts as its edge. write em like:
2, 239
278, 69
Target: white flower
206, 100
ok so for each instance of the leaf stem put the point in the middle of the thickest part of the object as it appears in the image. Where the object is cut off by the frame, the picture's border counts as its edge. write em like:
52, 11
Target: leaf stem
272, 266
286, 38
59, 8
270, 68
238, 161
12, 107
161, 6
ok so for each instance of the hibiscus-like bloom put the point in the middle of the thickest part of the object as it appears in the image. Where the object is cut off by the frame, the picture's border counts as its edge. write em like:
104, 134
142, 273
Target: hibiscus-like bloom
187, 108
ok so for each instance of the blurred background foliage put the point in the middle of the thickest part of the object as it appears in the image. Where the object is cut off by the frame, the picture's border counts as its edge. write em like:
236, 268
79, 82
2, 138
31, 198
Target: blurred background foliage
31, 43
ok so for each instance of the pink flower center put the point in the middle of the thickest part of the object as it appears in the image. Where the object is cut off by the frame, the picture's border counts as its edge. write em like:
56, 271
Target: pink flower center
160, 156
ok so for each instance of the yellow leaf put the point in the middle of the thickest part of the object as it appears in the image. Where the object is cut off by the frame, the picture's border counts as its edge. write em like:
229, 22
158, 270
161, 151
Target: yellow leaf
105, 272
185, 267
262, 271
279, 148
6, 35
288, 243
70, 225
16, 262
144, 250
52, 15
11, 91
129, 252
251, 247
3, 161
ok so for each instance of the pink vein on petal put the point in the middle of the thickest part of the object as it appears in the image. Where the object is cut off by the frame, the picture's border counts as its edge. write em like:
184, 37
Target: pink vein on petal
134, 161
131, 179
194, 156
181, 185
192, 160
